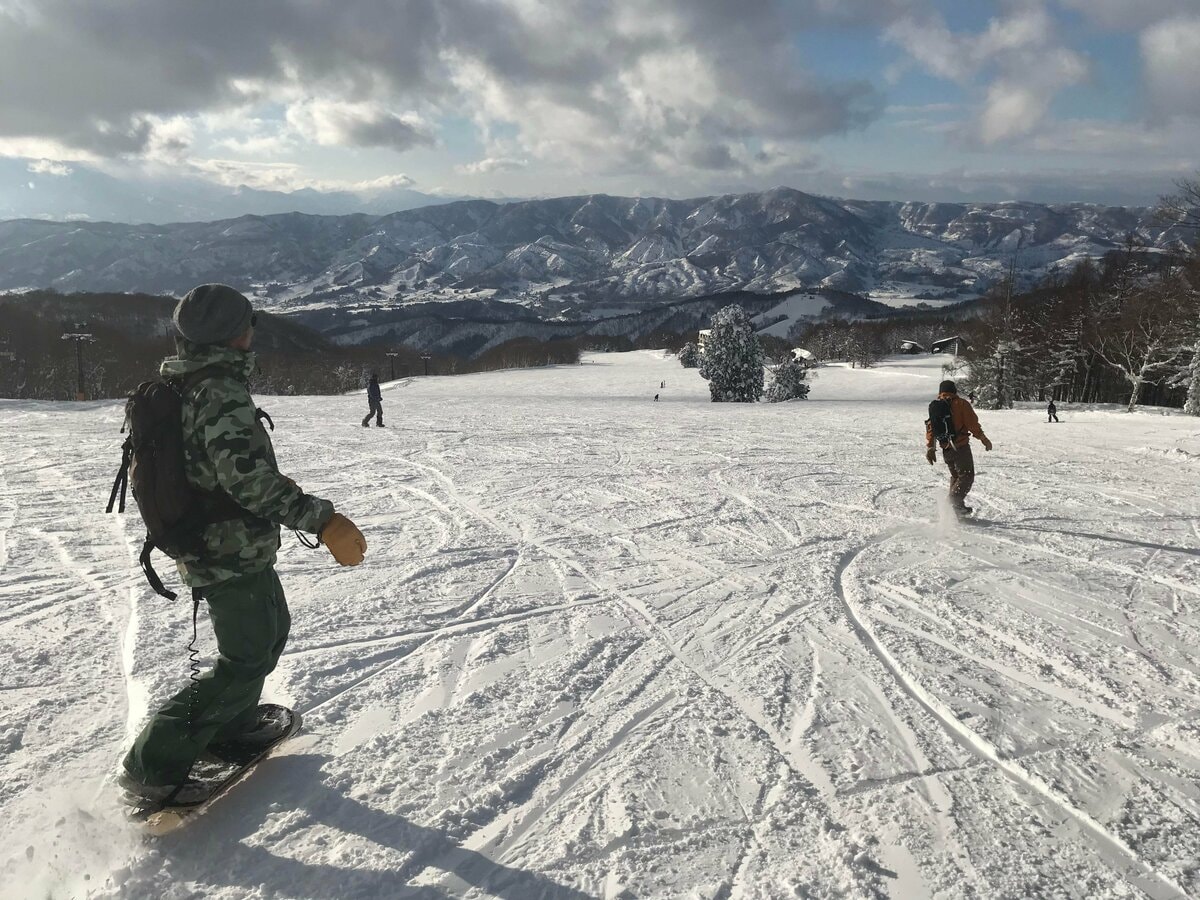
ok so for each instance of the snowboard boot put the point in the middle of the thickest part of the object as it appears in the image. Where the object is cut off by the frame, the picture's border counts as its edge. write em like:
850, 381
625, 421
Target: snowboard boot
272, 723
188, 792
962, 510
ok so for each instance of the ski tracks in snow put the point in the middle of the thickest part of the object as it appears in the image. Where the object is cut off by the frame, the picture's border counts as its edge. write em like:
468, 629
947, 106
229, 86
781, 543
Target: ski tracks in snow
1111, 846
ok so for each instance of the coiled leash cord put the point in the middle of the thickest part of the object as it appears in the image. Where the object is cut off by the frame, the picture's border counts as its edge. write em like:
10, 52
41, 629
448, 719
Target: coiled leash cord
194, 658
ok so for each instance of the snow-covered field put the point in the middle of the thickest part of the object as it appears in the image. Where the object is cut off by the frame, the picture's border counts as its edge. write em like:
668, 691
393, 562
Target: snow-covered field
606, 647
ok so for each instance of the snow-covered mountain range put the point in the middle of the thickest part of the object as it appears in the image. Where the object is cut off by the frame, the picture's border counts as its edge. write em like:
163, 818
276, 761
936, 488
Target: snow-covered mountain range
580, 256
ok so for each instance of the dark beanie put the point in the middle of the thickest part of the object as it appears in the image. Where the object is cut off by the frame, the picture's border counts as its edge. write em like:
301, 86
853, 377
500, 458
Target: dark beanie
947, 387
212, 314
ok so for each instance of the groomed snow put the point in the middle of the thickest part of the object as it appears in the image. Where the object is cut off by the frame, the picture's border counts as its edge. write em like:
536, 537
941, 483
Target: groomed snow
606, 647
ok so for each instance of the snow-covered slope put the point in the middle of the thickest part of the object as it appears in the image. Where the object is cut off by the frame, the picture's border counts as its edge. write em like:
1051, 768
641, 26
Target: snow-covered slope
604, 647
599, 254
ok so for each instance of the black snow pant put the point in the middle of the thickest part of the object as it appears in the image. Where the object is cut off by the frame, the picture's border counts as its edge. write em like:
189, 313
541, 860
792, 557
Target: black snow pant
1052, 418
961, 464
251, 621
377, 412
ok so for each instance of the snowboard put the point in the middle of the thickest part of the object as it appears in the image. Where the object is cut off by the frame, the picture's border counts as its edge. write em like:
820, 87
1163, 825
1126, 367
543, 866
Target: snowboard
159, 819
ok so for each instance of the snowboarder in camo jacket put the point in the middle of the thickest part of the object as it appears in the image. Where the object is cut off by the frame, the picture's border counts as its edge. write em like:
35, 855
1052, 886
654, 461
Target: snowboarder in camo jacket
957, 453
226, 447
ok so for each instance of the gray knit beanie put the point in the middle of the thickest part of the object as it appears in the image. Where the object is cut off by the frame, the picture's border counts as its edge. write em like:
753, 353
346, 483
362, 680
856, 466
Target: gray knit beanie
212, 314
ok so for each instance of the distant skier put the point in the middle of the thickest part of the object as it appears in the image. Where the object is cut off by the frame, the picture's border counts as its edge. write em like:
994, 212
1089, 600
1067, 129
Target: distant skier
656, 398
1051, 413
661, 385
971, 397
241, 500
375, 399
951, 423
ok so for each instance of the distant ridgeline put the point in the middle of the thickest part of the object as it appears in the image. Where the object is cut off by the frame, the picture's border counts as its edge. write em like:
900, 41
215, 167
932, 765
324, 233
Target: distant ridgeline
592, 256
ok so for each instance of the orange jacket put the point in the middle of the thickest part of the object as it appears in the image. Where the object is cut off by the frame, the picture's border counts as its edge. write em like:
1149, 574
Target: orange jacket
966, 423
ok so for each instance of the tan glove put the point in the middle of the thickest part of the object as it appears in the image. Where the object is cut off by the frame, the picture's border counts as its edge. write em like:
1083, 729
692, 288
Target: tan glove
344, 540
987, 445
931, 455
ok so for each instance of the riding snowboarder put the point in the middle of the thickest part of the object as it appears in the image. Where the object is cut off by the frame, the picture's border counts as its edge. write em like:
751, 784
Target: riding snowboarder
1051, 413
951, 423
375, 400
228, 454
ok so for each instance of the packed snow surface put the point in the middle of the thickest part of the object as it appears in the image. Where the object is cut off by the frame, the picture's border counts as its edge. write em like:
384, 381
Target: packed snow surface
607, 647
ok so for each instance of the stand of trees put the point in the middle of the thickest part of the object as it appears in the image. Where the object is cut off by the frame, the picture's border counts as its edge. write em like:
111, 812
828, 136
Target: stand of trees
1125, 331
864, 342
133, 334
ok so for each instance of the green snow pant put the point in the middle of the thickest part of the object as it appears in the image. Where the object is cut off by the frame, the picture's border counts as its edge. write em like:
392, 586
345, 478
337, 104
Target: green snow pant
961, 463
250, 619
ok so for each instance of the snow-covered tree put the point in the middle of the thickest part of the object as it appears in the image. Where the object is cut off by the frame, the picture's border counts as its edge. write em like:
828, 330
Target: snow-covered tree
790, 382
689, 356
1191, 406
1190, 290
733, 359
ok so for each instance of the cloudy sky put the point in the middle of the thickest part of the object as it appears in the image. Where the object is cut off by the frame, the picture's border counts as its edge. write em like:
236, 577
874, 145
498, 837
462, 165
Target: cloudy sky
875, 99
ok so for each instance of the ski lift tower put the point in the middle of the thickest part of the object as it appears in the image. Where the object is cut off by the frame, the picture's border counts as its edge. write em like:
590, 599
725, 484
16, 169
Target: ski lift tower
80, 338
425, 359
391, 355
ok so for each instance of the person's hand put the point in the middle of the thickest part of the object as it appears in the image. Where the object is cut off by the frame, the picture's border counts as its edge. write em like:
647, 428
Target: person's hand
344, 540
987, 445
931, 455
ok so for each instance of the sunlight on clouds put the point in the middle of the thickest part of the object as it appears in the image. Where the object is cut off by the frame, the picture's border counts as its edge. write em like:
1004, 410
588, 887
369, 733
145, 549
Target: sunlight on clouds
1171, 56
1010, 110
366, 124
49, 167
491, 164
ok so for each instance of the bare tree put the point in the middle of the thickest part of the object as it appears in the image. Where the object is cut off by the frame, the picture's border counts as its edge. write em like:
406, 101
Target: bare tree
1182, 208
1149, 343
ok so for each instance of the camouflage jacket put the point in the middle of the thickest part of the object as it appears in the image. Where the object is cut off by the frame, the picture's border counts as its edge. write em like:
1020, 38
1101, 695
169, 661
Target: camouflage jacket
226, 446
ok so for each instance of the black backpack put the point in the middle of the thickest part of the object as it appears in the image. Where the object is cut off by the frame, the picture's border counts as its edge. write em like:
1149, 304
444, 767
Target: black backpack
941, 422
152, 463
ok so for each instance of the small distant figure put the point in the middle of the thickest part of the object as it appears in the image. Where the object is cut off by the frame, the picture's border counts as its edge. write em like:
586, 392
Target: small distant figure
375, 399
656, 398
662, 385
1051, 413
971, 398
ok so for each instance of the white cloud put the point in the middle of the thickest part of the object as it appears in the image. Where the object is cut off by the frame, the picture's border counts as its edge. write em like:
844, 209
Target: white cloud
49, 167
375, 185
490, 164
1015, 63
261, 175
366, 124
280, 176
1171, 62
1140, 186
43, 148
170, 139
1172, 145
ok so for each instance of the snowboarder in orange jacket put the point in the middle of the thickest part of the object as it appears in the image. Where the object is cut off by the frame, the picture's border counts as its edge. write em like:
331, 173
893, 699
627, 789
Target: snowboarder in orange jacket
957, 452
